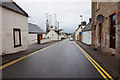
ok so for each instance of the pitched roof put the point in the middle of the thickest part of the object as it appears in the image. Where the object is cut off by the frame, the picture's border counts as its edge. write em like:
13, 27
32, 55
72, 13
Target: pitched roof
14, 7
88, 27
35, 29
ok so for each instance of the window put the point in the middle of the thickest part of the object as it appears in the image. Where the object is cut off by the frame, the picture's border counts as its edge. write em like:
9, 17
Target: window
17, 37
97, 4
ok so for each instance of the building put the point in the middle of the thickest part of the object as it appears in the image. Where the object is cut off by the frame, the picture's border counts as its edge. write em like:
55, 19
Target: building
14, 29
78, 31
63, 35
106, 26
86, 36
35, 33
54, 35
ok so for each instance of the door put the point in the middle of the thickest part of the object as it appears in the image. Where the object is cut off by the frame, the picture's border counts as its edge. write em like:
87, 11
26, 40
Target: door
100, 32
38, 38
112, 31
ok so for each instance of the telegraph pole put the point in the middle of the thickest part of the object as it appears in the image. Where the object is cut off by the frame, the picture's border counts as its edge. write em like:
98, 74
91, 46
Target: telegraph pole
58, 31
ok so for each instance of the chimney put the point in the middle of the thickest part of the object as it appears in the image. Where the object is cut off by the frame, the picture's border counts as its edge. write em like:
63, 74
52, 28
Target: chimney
90, 19
83, 23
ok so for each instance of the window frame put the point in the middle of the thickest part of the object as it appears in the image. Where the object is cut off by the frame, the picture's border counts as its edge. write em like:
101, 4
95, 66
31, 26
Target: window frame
15, 29
97, 4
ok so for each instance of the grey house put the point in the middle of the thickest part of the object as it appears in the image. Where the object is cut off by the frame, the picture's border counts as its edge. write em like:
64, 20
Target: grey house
35, 33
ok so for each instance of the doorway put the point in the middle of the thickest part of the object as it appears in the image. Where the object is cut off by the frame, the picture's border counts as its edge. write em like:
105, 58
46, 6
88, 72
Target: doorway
100, 33
112, 31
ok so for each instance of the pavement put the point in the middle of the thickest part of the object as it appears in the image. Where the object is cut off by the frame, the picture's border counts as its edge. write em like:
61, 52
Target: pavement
62, 60
32, 48
111, 63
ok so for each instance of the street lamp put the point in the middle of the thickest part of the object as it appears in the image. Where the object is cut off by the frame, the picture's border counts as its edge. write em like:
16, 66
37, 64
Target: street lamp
81, 18
58, 31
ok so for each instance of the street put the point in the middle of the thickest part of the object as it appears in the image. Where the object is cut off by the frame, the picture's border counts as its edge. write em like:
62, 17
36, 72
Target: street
62, 60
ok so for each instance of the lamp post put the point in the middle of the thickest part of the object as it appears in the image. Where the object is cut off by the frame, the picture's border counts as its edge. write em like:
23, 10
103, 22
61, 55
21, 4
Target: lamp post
58, 31
81, 16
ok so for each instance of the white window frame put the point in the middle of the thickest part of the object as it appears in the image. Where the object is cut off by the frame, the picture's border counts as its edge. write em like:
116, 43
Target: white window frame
97, 4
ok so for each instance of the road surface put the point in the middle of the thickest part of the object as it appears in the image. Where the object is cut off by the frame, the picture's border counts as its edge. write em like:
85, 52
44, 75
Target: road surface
62, 60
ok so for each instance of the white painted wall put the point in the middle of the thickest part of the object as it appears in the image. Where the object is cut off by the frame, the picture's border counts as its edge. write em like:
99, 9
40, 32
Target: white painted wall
10, 20
0, 31
45, 40
53, 35
77, 33
86, 37
32, 39
44, 36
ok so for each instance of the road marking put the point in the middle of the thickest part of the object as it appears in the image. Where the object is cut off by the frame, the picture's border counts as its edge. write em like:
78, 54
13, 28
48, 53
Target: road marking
95, 64
19, 59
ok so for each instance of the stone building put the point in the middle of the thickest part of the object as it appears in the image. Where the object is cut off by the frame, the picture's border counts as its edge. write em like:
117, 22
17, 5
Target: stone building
106, 26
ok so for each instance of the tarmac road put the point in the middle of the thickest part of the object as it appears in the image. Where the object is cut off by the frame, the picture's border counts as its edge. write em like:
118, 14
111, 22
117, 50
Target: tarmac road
62, 60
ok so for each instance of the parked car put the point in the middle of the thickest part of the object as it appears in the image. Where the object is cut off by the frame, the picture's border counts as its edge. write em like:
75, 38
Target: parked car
71, 39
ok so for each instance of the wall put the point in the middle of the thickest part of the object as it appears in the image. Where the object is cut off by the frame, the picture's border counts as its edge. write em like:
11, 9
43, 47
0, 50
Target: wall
77, 33
106, 9
0, 31
55, 35
12, 20
32, 39
86, 37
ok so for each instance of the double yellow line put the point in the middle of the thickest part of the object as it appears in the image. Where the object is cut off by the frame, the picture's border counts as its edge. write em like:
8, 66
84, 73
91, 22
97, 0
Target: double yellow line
17, 60
104, 73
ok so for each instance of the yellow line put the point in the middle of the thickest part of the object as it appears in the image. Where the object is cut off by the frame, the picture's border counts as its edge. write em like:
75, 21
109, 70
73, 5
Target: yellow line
100, 67
95, 62
97, 69
12, 62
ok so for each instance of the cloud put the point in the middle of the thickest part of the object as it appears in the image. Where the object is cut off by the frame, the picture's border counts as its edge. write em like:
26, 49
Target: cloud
68, 13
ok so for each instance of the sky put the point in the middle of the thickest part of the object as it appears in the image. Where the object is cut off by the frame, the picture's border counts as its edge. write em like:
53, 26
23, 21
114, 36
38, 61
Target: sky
68, 12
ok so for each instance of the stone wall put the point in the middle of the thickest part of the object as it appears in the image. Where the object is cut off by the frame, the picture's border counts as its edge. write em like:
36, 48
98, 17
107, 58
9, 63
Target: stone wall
106, 9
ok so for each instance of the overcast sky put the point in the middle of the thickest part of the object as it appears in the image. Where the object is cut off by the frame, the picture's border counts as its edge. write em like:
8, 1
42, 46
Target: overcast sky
68, 12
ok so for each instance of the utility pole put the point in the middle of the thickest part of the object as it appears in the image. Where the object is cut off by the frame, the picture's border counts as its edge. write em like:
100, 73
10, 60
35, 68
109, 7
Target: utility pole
58, 31
50, 21
47, 23
81, 18
55, 21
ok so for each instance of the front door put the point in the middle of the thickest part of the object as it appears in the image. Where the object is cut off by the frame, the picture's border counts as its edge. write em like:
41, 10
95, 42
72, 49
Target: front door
112, 31
38, 38
100, 33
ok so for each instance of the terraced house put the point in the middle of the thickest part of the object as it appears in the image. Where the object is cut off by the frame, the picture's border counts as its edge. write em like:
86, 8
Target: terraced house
13, 28
106, 26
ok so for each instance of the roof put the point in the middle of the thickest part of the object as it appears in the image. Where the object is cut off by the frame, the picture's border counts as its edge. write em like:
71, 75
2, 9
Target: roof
88, 27
34, 29
14, 7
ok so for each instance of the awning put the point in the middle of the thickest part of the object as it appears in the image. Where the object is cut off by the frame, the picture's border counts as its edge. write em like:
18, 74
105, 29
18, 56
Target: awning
80, 32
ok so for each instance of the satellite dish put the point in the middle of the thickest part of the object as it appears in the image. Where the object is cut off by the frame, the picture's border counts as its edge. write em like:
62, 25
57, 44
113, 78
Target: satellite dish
100, 17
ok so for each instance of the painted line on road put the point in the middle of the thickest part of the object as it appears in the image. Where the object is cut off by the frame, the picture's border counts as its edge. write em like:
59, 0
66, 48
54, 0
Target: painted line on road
95, 64
19, 59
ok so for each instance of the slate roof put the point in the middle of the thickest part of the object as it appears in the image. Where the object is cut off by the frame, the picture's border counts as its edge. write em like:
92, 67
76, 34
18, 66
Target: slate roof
14, 7
34, 29
88, 27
